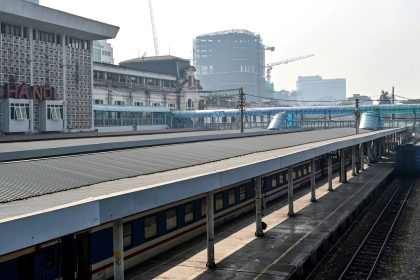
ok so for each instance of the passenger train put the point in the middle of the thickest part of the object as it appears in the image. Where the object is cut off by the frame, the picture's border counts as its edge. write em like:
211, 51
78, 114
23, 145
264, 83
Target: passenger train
89, 254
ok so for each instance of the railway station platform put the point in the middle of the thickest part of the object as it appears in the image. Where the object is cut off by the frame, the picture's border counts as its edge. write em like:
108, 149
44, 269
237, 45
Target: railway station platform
290, 246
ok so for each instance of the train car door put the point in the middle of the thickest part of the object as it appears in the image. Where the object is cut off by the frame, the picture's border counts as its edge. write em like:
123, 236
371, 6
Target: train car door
26, 267
83, 266
67, 263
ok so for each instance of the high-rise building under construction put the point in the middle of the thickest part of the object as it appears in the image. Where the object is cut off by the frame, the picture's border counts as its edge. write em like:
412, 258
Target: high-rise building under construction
231, 59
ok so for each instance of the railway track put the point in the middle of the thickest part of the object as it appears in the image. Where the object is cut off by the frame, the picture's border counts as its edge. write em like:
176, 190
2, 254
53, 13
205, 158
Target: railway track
363, 263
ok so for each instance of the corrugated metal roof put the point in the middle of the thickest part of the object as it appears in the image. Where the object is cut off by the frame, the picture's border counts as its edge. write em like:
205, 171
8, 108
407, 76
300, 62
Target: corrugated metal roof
24, 179
59, 147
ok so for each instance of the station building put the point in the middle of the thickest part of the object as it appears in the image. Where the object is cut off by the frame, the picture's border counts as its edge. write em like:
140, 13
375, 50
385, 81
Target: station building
46, 68
140, 93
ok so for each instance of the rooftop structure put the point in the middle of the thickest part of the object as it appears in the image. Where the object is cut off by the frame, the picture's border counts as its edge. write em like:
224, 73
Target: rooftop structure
103, 52
166, 64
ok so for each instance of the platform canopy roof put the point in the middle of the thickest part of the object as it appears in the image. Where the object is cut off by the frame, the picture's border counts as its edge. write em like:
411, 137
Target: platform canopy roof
28, 14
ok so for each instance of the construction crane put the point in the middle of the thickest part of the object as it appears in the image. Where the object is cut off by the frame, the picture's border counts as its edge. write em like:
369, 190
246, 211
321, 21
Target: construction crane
152, 19
285, 61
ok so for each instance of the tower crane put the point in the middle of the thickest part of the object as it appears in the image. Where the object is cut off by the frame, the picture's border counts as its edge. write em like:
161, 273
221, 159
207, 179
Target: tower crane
152, 19
285, 61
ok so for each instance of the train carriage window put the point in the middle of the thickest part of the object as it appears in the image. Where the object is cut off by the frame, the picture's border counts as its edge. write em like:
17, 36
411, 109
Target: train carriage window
49, 256
231, 196
294, 174
274, 181
305, 169
309, 168
128, 235
242, 193
219, 201
281, 179
203, 207
171, 219
150, 227
299, 173
189, 213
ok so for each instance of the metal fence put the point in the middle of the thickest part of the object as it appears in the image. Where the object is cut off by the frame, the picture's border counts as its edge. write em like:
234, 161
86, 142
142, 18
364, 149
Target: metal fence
130, 122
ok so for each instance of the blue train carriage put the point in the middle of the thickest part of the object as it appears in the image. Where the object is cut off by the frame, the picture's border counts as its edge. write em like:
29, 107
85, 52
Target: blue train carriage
408, 159
88, 254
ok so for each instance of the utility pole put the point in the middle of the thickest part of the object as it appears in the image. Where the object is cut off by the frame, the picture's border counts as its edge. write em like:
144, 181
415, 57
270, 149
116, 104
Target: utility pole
392, 101
242, 107
357, 115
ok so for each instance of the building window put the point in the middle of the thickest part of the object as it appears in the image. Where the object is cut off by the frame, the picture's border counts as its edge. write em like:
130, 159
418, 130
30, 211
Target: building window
189, 213
98, 101
231, 196
171, 106
19, 111
150, 227
155, 104
242, 193
119, 103
128, 235
138, 103
219, 201
10, 29
171, 219
54, 112
190, 104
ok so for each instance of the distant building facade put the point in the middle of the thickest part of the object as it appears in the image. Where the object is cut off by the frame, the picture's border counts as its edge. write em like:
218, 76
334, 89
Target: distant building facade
186, 84
46, 68
127, 98
122, 86
231, 59
363, 100
315, 90
103, 52
285, 97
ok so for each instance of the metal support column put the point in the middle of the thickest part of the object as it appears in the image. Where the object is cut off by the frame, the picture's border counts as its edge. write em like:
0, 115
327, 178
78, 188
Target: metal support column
313, 190
210, 230
375, 150
258, 208
369, 153
343, 173
362, 160
118, 236
353, 160
290, 191
330, 187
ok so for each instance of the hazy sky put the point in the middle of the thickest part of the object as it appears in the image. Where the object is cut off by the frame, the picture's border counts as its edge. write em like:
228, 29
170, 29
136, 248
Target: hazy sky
374, 44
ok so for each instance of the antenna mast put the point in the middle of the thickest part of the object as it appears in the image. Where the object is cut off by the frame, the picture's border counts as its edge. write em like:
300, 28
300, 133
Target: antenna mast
153, 29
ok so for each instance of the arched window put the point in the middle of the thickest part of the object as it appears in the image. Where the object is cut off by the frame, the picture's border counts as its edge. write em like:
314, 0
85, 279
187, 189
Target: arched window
190, 104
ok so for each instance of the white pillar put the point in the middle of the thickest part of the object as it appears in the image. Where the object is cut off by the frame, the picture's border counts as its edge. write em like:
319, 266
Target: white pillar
118, 236
313, 190
362, 163
330, 188
343, 176
353, 160
210, 230
375, 151
290, 191
258, 208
